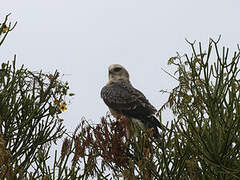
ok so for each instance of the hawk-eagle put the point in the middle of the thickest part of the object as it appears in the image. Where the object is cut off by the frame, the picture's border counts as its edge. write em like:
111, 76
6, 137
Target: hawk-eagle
124, 100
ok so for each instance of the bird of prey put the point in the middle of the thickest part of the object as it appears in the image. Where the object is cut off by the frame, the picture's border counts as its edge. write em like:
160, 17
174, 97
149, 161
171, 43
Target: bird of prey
124, 100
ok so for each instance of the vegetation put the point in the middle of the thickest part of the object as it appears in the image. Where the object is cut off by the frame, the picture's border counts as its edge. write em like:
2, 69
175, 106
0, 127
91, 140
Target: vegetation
201, 142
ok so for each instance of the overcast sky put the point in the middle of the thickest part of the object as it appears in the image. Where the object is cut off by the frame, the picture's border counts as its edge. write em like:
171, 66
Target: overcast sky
82, 38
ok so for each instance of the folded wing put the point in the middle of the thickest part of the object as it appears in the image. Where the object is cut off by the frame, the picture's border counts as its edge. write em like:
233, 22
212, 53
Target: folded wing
123, 98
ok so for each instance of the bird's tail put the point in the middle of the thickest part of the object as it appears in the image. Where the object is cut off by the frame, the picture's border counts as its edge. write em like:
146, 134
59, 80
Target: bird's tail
154, 123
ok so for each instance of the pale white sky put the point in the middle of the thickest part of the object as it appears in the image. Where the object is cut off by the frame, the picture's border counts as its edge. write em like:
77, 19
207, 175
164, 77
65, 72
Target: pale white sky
81, 38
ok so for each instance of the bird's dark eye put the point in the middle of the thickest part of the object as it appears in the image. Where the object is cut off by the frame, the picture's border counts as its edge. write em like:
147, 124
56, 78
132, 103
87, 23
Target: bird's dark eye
117, 69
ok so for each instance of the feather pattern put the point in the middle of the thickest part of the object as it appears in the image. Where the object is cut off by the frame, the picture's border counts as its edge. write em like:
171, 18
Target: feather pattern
123, 98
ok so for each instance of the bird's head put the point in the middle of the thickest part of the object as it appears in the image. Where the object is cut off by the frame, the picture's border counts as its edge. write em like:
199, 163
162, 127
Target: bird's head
117, 73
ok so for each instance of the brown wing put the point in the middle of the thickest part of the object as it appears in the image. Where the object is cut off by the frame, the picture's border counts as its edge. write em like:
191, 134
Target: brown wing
122, 97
